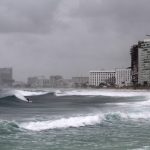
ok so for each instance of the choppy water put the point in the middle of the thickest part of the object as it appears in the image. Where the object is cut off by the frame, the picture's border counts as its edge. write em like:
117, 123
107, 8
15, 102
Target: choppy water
75, 120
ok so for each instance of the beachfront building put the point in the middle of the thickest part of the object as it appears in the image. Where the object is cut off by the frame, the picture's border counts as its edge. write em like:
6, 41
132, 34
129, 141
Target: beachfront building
134, 64
102, 77
123, 77
38, 81
80, 81
57, 81
6, 77
144, 62
140, 63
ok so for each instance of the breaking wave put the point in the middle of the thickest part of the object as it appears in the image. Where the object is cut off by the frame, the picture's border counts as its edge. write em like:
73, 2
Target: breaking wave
62, 123
101, 92
10, 127
21, 94
81, 121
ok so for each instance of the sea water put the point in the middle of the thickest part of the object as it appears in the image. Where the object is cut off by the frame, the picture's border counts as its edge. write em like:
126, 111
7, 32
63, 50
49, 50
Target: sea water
71, 119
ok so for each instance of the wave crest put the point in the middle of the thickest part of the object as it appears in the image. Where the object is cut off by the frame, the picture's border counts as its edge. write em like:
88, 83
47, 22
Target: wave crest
82, 121
21, 94
101, 92
62, 123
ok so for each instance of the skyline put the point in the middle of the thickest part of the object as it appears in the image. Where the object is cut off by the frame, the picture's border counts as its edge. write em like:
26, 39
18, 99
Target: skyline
69, 37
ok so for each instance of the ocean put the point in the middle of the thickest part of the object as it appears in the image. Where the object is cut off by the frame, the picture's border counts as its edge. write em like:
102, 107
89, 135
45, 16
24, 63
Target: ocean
74, 119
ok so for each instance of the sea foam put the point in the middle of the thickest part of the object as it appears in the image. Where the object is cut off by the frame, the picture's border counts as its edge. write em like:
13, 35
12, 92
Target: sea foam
20, 94
81, 121
62, 123
101, 92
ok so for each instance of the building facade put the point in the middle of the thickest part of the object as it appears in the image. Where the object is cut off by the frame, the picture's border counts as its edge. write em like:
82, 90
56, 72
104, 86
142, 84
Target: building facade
134, 64
144, 63
39, 81
96, 78
56, 81
123, 77
6, 77
80, 81
140, 63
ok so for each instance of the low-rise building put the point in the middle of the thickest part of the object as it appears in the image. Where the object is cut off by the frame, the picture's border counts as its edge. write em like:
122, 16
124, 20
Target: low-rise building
80, 81
6, 77
123, 77
39, 81
102, 77
56, 81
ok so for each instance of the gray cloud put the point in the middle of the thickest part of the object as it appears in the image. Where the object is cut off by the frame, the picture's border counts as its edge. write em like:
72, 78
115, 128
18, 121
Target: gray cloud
27, 15
69, 37
125, 17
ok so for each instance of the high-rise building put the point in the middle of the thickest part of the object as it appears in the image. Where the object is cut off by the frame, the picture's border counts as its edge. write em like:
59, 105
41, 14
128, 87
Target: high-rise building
144, 62
134, 64
6, 77
140, 63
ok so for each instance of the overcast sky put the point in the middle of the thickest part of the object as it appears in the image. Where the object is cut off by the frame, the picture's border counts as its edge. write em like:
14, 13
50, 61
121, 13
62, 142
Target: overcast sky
69, 37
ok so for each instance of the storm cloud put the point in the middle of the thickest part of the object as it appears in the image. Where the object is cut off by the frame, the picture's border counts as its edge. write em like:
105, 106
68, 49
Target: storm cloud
69, 37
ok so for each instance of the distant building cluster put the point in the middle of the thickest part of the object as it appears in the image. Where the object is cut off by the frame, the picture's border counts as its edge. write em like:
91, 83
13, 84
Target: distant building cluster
57, 81
138, 75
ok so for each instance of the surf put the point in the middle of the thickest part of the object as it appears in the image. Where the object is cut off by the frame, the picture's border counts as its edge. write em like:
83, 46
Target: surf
83, 121
21, 94
62, 123
102, 92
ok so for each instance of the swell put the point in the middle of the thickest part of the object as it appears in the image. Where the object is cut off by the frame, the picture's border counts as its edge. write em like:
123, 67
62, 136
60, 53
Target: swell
8, 127
9, 101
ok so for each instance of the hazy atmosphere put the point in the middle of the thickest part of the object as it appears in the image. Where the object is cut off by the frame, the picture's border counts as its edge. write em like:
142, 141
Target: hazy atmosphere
69, 37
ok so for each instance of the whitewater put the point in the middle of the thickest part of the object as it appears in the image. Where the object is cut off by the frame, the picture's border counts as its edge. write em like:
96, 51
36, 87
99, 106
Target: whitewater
90, 119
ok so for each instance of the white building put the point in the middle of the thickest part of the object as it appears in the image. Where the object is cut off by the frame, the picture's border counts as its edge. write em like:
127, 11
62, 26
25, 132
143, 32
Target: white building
39, 81
6, 77
144, 62
101, 77
123, 77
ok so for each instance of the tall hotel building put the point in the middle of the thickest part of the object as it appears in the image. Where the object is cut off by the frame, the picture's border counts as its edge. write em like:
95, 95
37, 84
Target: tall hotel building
134, 64
140, 63
98, 77
144, 62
